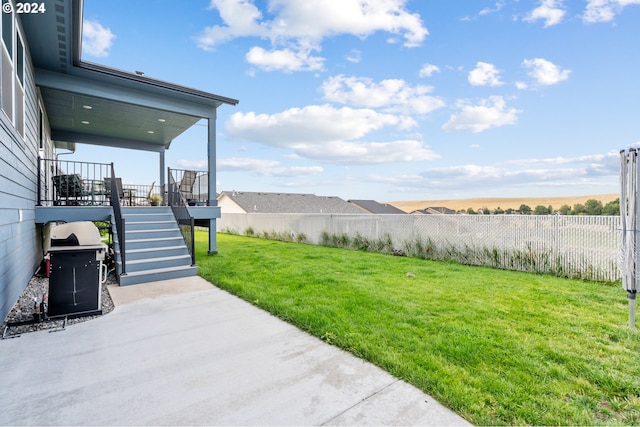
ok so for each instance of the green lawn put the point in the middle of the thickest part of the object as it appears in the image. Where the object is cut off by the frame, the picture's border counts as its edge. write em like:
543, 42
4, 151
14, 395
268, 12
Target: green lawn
497, 347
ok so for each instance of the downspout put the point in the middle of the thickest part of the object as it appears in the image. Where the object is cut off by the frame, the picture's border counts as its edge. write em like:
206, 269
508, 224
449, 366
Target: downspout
213, 201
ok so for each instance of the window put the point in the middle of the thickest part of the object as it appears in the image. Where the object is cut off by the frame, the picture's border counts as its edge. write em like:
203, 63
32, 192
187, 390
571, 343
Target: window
40, 128
19, 87
6, 87
12, 80
7, 27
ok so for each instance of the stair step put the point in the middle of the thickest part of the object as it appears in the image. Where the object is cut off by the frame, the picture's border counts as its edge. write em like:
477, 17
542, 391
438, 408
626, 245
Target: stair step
152, 250
150, 234
156, 216
159, 259
155, 239
157, 274
151, 222
154, 230
151, 243
157, 262
149, 225
160, 251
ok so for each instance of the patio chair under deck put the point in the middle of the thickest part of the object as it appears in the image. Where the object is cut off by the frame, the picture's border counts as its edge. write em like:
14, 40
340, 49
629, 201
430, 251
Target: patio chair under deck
186, 184
107, 187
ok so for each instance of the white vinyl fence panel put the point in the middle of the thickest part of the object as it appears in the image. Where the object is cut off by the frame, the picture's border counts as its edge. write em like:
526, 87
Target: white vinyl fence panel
573, 246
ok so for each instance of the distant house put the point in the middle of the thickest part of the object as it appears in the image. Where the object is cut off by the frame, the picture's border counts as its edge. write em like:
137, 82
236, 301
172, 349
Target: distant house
258, 202
434, 211
373, 207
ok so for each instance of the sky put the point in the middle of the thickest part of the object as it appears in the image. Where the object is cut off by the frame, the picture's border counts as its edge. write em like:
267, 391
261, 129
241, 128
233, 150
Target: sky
388, 99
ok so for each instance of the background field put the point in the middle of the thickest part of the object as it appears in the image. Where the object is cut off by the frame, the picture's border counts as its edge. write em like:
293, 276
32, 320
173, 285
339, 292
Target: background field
504, 203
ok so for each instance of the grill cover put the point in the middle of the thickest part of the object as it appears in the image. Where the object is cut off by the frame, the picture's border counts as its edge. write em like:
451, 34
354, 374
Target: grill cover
79, 233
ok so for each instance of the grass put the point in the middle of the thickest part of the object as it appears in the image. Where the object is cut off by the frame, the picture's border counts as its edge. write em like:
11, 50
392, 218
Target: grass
498, 347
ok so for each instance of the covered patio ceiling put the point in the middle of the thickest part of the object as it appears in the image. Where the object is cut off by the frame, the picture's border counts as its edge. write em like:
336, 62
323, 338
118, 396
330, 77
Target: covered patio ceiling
85, 118
92, 104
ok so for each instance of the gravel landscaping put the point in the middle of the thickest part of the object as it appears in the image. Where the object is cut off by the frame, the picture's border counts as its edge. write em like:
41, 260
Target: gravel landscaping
24, 310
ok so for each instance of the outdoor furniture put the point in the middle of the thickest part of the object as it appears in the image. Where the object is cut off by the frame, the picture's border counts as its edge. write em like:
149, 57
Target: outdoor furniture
107, 187
69, 189
186, 185
129, 194
94, 192
140, 196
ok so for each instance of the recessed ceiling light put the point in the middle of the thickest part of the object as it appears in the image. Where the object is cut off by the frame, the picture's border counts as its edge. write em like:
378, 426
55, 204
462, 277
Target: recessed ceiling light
84, 122
150, 131
87, 107
161, 120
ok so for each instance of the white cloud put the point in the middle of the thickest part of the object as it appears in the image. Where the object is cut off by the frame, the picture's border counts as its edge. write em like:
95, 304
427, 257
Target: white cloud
263, 167
354, 56
293, 171
193, 164
490, 113
327, 134
477, 176
484, 75
392, 95
241, 18
605, 10
245, 164
521, 85
487, 10
96, 40
593, 170
549, 10
499, 5
286, 60
346, 152
545, 72
588, 159
302, 25
311, 124
318, 19
427, 70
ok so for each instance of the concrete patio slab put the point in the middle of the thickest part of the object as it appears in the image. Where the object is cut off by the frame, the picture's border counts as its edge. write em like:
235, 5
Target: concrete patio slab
202, 357
152, 290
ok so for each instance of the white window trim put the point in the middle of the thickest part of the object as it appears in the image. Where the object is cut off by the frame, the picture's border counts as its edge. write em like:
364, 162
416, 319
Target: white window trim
15, 83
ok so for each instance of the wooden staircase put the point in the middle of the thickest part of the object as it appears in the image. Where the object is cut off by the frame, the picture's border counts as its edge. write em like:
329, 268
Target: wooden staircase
155, 248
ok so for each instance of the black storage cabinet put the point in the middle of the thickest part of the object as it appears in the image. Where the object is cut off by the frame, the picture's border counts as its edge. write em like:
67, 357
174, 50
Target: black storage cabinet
74, 283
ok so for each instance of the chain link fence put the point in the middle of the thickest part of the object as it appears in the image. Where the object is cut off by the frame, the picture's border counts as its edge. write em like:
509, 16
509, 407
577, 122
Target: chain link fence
585, 247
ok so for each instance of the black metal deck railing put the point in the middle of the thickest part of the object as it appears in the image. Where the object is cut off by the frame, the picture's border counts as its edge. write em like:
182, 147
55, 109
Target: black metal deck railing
71, 183
120, 224
193, 185
180, 210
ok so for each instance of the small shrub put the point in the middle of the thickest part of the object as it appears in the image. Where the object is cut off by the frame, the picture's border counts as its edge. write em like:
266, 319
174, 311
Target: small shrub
325, 238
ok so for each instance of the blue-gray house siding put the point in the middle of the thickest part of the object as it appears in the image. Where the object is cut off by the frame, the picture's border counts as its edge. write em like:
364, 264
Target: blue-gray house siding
20, 246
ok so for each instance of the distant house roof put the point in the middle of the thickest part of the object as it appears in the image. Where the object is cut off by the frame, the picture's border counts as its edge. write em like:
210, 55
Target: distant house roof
438, 210
373, 207
258, 202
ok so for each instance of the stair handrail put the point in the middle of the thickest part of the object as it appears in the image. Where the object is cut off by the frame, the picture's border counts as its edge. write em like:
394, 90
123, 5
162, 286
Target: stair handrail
120, 221
180, 211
